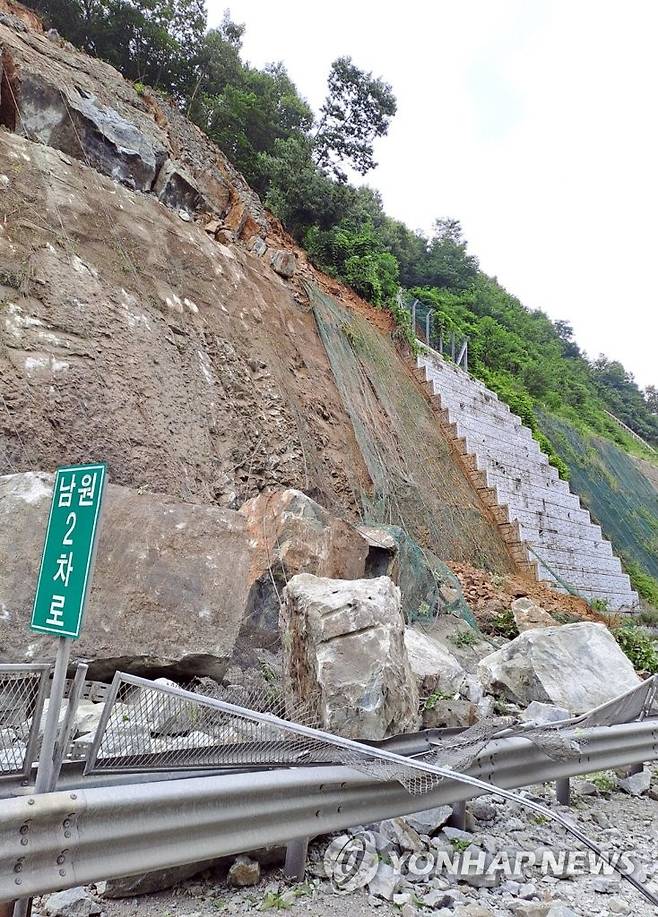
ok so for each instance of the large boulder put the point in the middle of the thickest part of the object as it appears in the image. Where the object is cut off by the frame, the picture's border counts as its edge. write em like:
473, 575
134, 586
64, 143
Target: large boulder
290, 533
170, 586
434, 668
179, 588
576, 666
345, 656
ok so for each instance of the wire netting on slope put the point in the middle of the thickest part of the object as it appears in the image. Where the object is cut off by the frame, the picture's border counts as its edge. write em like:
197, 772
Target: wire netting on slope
418, 482
620, 498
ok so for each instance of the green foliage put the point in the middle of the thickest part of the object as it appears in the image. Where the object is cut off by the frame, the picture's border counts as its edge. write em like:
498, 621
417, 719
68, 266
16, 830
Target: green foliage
649, 616
639, 648
599, 605
460, 844
646, 585
430, 702
298, 163
357, 110
275, 901
502, 624
464, 638
604, 781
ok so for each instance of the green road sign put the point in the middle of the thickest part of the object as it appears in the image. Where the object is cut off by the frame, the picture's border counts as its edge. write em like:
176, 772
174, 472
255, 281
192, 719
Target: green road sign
68, 552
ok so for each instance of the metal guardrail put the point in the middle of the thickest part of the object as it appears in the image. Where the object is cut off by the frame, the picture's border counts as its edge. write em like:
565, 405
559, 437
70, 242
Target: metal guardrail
23, 689
53, 841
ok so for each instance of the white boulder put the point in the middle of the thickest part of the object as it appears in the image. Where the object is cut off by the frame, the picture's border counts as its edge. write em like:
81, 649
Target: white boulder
575, 666
344, 655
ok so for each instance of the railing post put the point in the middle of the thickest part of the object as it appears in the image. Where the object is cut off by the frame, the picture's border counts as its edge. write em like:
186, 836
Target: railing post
296, 852
428, 319
413, 316
563, 791
452, 346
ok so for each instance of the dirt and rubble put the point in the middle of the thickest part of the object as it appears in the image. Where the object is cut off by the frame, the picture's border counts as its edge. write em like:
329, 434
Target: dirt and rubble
489, 594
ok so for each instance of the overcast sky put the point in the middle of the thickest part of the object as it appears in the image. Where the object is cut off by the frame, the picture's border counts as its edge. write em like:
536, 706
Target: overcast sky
531, 121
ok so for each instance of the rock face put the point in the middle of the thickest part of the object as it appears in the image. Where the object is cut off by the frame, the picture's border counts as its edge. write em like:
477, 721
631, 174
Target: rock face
528, 615
576, 666
344, 654
170, 584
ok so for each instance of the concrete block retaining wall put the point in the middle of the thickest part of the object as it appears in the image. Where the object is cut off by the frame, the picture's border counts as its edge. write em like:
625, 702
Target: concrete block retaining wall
533, 507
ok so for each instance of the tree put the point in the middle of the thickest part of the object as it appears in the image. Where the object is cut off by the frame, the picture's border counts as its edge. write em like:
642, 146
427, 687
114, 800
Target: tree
447, 262
357, 110
651, 397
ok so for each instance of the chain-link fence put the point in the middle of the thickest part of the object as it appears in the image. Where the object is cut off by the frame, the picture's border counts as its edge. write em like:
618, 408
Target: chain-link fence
429, 329
22, 694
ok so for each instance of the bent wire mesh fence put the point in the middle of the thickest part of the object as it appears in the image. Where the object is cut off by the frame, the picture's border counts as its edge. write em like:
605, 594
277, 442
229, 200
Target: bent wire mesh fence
23, 691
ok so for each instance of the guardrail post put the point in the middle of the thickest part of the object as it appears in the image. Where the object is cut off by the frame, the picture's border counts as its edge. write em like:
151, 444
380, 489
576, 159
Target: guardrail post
296, 852
413, 316
458, 817
563, 791
428, 318
75, 693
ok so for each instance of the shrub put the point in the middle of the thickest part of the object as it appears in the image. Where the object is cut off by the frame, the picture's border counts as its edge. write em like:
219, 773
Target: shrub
639, 648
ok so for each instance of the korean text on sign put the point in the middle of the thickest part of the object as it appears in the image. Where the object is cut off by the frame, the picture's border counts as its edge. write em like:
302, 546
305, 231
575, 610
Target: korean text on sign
68, 550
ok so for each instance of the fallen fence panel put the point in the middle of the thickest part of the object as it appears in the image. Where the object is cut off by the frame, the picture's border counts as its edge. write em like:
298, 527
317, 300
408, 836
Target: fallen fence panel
57, 840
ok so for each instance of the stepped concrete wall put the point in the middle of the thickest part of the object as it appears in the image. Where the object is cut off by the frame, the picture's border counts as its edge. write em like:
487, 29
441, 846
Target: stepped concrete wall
543, 522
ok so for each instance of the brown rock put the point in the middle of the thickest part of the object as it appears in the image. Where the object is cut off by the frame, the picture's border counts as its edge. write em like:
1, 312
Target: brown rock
244, 872
284, 263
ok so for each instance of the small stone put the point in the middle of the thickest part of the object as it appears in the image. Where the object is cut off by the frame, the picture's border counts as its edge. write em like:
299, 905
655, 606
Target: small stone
473, 910
244, 872
528, 615
617, 905
258, 246
561, 910
605, 885
586, 788
408, 910
73, 902
184, 215
538, 712
437, 898
636, 784
511, 887
456, 834
400, 898
430, 820
402, 834
4, 182
385, 882
527, 891
284, 263
514, 824
483, 810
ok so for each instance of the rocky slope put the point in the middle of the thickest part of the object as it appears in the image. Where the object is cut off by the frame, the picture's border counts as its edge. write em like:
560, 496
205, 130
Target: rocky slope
152, 314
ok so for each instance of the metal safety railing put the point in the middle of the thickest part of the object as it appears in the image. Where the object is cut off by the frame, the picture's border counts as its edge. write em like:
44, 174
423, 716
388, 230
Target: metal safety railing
23, 689
430, 331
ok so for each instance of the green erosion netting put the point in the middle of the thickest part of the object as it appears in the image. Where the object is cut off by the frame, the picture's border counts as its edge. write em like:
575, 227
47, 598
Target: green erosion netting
428, 587
417, 484
620, 498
